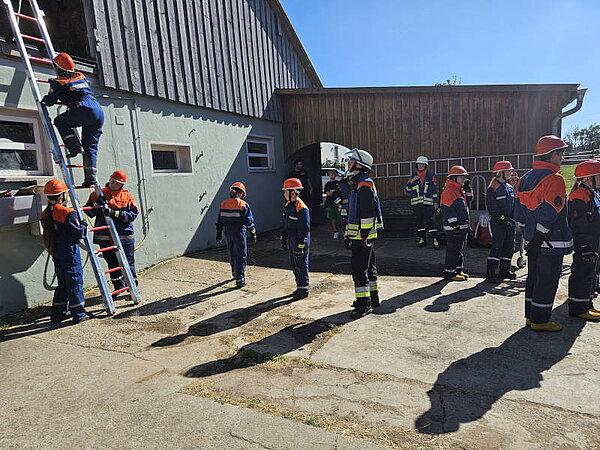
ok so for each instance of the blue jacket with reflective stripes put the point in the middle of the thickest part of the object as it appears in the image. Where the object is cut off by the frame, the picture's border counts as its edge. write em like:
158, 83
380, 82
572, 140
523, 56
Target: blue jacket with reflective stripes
73, 92
542, 203
235, 216
584, 217
422, 193
364, 210
500, 200
454, 207
296, 221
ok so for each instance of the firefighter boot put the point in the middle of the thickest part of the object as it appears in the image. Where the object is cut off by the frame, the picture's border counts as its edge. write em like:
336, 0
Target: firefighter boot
89, 171
362, 307
421, 242
299, 294
374, 299
591, 314
436, 244
551, 325
507, 275
491, 274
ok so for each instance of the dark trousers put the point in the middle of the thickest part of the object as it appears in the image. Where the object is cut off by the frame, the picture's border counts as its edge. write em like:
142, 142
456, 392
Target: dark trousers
503, 246
543, 274
69, 292
582, 284
364, 269
112, 261
299, 263
424, 215
455, 245
90, 120
238, 252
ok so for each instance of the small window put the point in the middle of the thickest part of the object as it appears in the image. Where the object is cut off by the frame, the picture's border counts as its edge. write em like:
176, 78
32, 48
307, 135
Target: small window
260, 154
20, 146
171, 158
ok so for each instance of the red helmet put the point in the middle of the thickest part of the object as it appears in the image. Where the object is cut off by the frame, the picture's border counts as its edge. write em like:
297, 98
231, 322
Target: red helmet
587, 168
457, 170
65, 62
239, 186
292, 183
55, 187
548, 144
502, 165
119, 176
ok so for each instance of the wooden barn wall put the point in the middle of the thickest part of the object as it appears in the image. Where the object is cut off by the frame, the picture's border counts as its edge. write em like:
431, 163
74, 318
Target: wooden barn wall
401, 126
228, 55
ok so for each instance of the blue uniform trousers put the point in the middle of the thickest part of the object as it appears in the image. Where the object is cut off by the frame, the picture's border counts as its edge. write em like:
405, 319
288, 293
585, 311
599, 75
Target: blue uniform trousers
364, 268
424, 214
454, 254
69, 292
90, 120
237, 250
503, 246
543, 274
582, 284
110, 257
299, 263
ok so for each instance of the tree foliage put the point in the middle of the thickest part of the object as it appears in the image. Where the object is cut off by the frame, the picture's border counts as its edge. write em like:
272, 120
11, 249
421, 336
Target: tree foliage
584, 139
454, 81
336, 164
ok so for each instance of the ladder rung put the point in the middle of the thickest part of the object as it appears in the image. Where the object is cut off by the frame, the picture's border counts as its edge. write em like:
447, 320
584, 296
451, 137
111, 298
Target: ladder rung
112, 270
104, 227
32, 38
118, 291
42, 60
74, 165
23, 16
106, 249
42, 80
87, 208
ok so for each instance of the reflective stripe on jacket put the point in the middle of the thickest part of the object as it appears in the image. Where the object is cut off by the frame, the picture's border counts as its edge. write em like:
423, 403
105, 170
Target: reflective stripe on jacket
235, 215
500, 200
454, 207
423, 193
364, 212
296, 221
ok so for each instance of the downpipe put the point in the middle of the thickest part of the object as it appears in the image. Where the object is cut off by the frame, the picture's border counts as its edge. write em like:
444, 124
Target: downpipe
577, 107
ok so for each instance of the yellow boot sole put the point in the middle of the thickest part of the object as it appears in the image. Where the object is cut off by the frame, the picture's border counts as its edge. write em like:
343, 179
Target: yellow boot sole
551, 325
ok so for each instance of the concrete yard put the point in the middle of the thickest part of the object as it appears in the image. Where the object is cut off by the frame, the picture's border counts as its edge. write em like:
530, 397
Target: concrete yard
202, 365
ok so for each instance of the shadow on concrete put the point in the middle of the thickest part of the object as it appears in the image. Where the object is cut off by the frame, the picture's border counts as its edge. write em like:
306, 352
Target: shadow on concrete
225, 321
469, 387
176, 303
290, 338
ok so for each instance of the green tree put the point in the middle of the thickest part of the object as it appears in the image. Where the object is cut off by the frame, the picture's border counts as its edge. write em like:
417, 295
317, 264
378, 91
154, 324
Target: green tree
329, 163
454, 81
584, 139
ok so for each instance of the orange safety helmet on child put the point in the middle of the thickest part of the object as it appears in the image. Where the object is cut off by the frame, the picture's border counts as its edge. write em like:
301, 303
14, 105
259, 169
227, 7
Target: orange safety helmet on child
502, 165
55, 187
587, 168
457, 171
548, 144
119, 176
239, 186
65, 62
292, 183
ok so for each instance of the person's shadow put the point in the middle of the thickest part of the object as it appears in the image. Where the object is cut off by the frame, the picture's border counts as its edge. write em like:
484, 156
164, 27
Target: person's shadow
469, 387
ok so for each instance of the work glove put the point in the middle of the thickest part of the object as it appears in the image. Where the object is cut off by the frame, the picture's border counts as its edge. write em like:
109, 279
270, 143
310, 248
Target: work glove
114, 213
535, 245
284, 243
347, 244
588, 254
219, 235
252, 235
299, 250
365, 243
467, 186
456, 231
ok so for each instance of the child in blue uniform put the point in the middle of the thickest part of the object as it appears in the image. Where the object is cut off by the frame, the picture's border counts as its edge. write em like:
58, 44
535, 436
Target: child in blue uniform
62, 232
424, 199
73, 89
235, 217
295, 237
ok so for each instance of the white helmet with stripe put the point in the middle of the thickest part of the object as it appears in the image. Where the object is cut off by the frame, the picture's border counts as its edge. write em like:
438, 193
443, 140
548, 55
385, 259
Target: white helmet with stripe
360, 156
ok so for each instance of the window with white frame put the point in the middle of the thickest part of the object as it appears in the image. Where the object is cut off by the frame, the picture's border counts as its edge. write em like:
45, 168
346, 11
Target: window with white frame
260, 153
171, 158
21, 151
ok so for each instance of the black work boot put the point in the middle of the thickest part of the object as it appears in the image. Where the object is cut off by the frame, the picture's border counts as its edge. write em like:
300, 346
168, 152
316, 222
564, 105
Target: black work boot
118, 283
491, 274
374, 299
362, 307
89, 172
299, 294
507, 275
73, 152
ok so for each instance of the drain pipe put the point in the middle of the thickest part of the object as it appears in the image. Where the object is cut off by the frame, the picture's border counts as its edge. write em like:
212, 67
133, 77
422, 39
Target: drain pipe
557, 119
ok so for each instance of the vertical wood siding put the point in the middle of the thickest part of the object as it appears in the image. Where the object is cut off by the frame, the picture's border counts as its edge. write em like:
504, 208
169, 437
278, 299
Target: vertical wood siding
229, 55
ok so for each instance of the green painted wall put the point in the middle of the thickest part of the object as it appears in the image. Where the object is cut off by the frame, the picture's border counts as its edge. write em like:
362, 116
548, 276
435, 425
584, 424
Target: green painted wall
175, 214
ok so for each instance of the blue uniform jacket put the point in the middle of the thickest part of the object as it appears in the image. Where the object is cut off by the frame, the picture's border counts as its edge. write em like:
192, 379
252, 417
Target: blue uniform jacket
344, 197
542, 206
235, 216
423, 193
121, 201
454, 207
364, 210
500, 200
73, 92
584, 217
296, 221
68, 228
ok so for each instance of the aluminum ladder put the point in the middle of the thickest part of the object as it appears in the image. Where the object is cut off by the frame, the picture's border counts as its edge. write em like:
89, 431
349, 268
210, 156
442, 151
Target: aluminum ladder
66, 168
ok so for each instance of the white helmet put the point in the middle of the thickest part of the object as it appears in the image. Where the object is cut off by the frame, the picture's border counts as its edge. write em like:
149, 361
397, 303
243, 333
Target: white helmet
362, 157
422, 160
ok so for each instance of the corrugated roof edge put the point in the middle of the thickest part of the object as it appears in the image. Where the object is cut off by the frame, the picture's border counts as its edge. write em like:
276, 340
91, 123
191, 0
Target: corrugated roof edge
296, 42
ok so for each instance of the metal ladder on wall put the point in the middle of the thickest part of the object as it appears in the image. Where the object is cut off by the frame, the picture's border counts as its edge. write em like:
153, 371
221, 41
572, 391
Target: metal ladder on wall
66, 169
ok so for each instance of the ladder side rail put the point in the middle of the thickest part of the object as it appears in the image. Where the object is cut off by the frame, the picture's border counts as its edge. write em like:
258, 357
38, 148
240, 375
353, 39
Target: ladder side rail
39, 15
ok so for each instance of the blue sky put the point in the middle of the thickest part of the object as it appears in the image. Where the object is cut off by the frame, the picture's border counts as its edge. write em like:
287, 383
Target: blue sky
408, 43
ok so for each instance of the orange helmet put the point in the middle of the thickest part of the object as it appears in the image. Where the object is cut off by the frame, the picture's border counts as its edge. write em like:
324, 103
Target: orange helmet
239, 186
55, 187
457, 171
548, 144
502, 165
119, 176
587, 168
292, 184
65, 62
